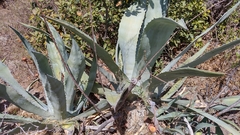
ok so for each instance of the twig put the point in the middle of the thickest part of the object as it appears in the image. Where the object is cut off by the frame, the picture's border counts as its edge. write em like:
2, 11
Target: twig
228, 108
22, 130
29, 69
30, 85
94, 44
220, 93
4, 115
106, 17
188, 125
3, 60
215, 98
69, 71
154, 119
104, 124
158, 78
124, 96
204, 11
105, 115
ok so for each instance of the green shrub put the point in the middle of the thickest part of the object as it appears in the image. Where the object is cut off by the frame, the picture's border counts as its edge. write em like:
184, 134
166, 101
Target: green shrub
106, 18
230, 29
196, 15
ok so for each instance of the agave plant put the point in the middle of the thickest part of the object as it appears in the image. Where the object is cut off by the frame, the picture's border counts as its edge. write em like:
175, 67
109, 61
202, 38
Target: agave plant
143, 33
58, 85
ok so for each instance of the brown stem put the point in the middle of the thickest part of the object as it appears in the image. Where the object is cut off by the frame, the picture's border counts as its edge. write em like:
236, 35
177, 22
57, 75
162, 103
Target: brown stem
94, 44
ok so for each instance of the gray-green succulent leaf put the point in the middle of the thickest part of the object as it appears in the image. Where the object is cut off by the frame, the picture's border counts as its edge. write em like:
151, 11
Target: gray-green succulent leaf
196, 55
101, 105
102, 54
216, 120
128, 36
57, 98
58, 85
6, 75
143, 44
59, 41
12, 96
176, 86
212, 53
87, 81
76, 63
153, 41
44, 69
16, 119
179, 56
36, 29
178, 73
55, 60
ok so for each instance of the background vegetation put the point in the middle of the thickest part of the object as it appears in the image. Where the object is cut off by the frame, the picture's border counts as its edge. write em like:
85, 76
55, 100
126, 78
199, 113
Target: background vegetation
198, 15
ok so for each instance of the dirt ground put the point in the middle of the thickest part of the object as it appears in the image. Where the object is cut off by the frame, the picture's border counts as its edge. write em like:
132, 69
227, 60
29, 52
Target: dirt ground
12, 51
12, 12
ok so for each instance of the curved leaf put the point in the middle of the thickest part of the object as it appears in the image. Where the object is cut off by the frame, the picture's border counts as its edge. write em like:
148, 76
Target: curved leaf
101, 105
181, 72
6, 75
76, 63
59, 42
36, 29
42, 65
26, 44
222, 107
228, 100
55, 60
57, 98
156, 9
226, 126
89, 85
112, 97
31, 51
16, 119
196, 55
17, 99
164, 108
174, 61
202, 126
109, 75
107, 58
232, 123
98, 89
212, 53
172, 115
128, 35
174, 89
223, 103
155, 36
44, 69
